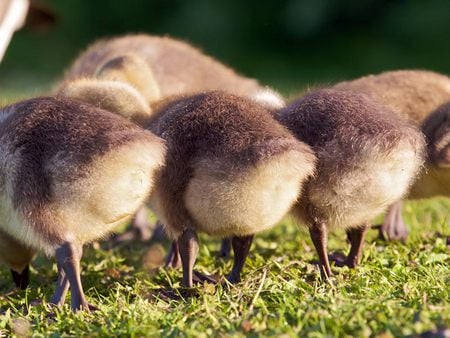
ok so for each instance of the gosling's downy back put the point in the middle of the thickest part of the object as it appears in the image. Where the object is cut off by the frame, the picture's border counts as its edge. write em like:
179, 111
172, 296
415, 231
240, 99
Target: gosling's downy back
177, 68
411, 93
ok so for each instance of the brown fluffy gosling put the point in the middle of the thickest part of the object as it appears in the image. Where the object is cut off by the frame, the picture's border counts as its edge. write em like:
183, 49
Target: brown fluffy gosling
160, 67
367, 158
416, 95
230, 171
69, 174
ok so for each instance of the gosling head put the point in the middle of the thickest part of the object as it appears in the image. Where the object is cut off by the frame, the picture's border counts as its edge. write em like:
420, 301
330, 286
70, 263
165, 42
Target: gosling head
436, 128
133, 70
114, 96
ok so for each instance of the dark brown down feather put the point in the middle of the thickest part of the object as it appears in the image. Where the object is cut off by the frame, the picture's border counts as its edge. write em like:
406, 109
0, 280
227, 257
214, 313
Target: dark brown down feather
214, 125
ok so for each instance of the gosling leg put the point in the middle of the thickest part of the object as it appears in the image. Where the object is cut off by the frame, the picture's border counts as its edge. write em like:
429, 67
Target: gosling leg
356, 237
318, 232
68, 256
62, 286
173, 259
241, 248
393, 227
21, 279
139, 229
188, 248
225, 248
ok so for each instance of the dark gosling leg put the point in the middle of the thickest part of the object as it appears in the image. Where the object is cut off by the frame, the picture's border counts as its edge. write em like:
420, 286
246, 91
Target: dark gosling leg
173, 259
68, 256
356, 238
21, 279
318, 232
225, 248
141, 224
393, 227
62, 286
241, 248
188, 248
139, 229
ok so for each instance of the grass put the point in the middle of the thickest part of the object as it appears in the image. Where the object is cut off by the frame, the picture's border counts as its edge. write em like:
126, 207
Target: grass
400, 289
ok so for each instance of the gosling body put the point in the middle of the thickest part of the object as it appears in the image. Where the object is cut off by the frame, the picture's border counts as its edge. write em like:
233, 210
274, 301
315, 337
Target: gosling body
69, 174
367, 159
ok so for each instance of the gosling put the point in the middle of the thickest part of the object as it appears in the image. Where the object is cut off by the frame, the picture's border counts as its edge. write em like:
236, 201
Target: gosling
367, 158
160, 67
70, 173
230, 171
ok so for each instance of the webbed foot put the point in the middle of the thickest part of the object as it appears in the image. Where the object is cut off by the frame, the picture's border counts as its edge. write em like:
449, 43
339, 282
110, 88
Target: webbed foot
339, 259
200, 278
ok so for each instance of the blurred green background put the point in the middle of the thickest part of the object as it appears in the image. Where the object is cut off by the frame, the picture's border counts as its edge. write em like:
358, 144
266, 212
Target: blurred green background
288, 44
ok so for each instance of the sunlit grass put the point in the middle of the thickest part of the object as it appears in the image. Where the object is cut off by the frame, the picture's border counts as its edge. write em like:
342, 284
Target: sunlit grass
400, 289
